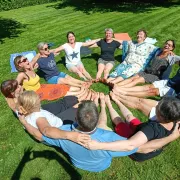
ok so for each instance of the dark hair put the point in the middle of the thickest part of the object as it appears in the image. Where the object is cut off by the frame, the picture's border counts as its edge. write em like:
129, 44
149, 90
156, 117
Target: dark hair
142, 30
169, 109
70, 32
87, 115
16, 63
8, 87
173, 41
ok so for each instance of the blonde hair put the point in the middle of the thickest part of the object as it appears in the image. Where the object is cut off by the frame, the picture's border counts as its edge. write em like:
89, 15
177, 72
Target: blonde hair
41, 45
108, 29
29, 100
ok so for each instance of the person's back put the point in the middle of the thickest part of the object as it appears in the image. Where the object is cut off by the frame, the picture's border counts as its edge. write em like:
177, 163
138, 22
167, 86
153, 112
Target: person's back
89, 160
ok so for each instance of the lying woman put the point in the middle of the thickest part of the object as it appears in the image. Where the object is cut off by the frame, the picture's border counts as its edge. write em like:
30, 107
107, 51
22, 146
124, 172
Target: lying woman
168, 117
40, 122
159, 68
63, 108
30, 81
135, 60
162, 88
73, 58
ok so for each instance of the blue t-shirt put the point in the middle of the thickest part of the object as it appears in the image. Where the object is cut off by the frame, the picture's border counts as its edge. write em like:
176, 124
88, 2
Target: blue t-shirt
48, 66
90, 160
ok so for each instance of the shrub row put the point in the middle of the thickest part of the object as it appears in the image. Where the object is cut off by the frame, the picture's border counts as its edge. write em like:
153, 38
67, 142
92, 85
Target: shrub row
14, 4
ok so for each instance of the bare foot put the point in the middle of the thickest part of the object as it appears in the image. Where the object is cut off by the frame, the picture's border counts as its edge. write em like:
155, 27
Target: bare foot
107, 100
115, 92
96, 99
92, 95
113, 97
102, 100
89, 95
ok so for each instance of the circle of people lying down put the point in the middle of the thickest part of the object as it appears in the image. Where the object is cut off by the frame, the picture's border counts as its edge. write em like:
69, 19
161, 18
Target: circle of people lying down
78, 109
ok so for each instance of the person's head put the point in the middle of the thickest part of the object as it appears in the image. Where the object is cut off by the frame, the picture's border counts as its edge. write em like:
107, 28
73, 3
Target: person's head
43, 49
141, 35
108, 33
21, 63
71, 37
168, 110
169, 45
87, 116
28, 102
11, 89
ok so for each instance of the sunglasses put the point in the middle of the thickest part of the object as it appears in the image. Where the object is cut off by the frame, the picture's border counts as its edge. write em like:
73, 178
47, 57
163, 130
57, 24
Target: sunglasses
46, 49
24, 60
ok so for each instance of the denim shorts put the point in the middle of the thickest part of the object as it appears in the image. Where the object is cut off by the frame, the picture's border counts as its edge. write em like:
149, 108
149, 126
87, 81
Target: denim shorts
55, 79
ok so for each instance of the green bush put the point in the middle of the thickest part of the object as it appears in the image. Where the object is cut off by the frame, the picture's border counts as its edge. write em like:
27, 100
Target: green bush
14, 4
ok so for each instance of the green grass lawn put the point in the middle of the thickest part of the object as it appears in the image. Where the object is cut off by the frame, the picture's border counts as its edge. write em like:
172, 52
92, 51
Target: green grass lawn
20, 30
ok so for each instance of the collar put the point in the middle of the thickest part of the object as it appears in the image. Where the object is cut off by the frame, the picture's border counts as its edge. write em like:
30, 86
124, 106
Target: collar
75, 125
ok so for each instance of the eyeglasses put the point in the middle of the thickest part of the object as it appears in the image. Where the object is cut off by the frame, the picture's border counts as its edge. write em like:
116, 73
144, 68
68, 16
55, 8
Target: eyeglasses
170, 45
24, 60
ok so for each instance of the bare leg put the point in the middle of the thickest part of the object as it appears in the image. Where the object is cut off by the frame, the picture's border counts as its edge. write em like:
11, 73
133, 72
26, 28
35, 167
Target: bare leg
110, 79
84, 72
75, 93
74, 69
89, 95
107, 69
133, 82
144, 105
127, 81
125, 111
74, 89
103, 116
96, 99
117, 80
115, 117
100, 70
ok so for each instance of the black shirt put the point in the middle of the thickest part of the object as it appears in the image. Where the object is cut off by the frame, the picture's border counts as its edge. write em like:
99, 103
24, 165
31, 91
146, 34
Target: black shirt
152, 130
108, 49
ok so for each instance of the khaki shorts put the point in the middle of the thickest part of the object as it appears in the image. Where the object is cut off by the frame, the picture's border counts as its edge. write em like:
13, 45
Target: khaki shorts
101, 61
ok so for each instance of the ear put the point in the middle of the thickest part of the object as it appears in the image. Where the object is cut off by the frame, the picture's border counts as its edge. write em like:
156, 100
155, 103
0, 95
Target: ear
22, 110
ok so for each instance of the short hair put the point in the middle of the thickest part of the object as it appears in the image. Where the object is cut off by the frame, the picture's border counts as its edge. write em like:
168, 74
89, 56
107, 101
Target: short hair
87, 115
70, 32
144, 31
41, 45
169, 109
17, 59
8, 87
108, 29
173, 42
29, 100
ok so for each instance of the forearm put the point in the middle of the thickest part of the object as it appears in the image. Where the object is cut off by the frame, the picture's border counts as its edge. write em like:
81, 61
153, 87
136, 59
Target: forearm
33, 131
155, 144
34, 60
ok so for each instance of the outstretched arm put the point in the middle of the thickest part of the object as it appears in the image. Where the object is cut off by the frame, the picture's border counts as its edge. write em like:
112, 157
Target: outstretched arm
34, 60
53, 132
57, 50
159, 143
91, 43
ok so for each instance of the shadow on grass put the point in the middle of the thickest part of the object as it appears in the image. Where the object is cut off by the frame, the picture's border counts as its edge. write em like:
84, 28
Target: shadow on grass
91, 6
10, 28
30, 155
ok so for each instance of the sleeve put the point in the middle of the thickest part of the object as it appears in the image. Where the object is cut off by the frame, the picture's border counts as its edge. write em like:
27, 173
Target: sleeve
79, 44
116, 137
99, 43
118, 44
64, 45
148, 130
177, 58
52, 142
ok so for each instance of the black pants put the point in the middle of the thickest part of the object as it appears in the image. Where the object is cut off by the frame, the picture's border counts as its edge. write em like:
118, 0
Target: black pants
63, 108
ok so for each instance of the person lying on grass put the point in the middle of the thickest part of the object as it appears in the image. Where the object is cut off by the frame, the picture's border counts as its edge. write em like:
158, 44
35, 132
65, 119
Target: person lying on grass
73, 58
168, 119
30, 81
158, 88
49, 69
63, 108
159, 68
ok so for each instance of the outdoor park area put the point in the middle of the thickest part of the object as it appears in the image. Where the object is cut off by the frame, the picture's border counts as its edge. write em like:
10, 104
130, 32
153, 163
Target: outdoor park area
23, 27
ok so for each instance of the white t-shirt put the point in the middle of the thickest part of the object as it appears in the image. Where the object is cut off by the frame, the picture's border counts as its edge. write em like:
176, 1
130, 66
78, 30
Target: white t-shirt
53, 120
72, 54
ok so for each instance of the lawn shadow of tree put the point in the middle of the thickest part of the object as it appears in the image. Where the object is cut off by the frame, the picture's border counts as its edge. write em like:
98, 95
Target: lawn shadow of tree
30, 155
10, 28
91, 6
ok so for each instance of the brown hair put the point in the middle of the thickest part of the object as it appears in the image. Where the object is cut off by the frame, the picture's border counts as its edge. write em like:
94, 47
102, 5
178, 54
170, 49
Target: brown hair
142, 30
8, 87
17, 60
29, 100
